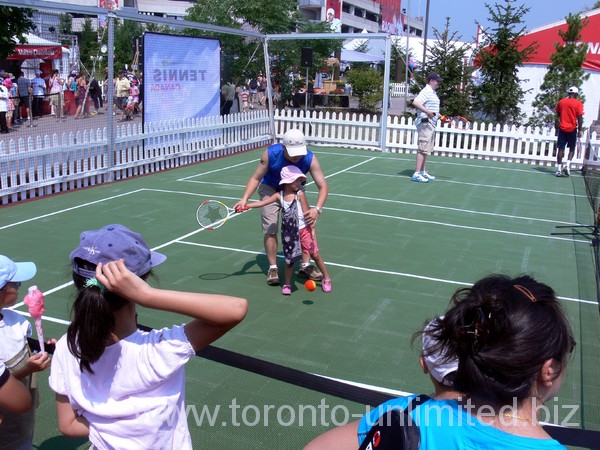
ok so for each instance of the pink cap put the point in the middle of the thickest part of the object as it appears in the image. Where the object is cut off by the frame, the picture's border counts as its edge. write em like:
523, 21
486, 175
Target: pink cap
289, 174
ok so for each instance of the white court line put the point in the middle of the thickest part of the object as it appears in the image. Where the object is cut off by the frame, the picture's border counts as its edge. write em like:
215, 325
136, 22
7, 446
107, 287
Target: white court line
429, 222
487, 186
217, 170
68, 209
366, 269
254, 161
415, 220
213, 183
348, 170
466, 227
435, 161
467, 211
371, 387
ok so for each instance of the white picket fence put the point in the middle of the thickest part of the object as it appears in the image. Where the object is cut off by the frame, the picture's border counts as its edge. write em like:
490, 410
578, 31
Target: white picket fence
397, 89
44, 165
49, 164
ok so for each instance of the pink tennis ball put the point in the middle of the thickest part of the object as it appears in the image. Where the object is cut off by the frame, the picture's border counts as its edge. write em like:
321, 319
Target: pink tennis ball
310, 285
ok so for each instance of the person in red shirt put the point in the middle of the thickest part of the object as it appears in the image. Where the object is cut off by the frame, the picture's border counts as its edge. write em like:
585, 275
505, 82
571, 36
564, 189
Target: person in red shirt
569, 112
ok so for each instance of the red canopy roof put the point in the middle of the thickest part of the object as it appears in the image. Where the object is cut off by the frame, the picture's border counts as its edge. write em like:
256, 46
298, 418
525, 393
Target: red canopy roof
546, 37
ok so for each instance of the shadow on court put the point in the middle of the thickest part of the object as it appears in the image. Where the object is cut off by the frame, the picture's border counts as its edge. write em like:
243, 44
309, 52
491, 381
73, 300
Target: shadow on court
62, 443
257, 266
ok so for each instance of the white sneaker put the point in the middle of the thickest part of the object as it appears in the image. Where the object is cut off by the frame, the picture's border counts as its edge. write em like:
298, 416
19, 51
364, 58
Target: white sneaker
427, 175
567, 171
419, 178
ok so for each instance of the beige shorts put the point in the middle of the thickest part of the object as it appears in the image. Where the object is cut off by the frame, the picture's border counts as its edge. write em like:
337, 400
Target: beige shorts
426, 138
269, 214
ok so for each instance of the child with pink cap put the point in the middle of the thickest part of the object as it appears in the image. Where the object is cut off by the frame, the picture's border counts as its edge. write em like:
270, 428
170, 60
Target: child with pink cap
296, 235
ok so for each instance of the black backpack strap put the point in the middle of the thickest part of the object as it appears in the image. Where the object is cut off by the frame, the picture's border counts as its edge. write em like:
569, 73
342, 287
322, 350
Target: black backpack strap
395, 430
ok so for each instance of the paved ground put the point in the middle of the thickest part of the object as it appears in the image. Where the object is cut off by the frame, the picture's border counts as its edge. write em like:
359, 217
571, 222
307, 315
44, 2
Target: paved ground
47, 125
50, 124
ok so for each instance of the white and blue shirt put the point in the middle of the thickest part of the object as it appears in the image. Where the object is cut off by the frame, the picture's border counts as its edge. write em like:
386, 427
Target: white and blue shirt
429, 99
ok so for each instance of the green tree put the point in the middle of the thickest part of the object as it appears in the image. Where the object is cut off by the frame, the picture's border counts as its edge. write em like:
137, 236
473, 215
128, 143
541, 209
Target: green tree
398, 61
498, 97
15, 23
243, 58
65, 26
564, 71
448, 58
367, 85
88, 44
124, 33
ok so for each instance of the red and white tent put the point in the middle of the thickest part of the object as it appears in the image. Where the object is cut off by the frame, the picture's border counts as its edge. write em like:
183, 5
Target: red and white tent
532, 73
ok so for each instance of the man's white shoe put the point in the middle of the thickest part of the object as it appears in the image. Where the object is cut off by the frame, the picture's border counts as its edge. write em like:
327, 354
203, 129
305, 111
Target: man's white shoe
419, 178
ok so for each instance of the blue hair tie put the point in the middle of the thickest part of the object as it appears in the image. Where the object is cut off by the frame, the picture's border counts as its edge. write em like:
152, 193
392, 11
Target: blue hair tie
90, 282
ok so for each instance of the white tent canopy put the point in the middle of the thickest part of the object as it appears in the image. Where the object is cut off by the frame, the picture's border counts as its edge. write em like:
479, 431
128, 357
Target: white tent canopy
375, 49
350, 56
30, 65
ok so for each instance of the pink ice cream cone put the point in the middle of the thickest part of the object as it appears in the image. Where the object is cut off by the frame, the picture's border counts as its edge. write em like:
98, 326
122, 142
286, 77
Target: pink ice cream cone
35, 302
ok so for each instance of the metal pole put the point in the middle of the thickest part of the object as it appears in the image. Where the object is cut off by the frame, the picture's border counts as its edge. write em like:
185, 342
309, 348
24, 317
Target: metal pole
31, 124
306, 94
425, 34
407, 56
269, 88
386, 94
110, 94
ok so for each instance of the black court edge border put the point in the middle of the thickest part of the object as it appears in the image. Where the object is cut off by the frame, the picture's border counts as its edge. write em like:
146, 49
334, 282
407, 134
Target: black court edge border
567, 436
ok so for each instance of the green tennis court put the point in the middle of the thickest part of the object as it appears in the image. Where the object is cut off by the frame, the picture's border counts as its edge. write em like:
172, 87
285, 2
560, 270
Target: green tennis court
396, 251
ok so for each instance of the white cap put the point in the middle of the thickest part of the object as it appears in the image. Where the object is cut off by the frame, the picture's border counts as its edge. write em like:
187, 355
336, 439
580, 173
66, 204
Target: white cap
330, 11
294, 142
573, 90
438, 367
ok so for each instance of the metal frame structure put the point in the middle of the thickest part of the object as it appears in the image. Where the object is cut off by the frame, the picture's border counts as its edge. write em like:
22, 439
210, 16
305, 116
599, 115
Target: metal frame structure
179, 24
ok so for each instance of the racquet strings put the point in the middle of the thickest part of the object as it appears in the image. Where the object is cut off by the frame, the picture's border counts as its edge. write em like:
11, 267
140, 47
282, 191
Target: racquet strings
211, 213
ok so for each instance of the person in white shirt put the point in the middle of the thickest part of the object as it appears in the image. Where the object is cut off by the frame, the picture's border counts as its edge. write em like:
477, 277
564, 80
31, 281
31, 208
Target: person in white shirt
122, 387
4, 96
55, 91
427, 104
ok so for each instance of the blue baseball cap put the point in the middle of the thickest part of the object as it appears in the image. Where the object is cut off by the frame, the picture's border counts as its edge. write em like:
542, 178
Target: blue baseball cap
16, 272
111, 243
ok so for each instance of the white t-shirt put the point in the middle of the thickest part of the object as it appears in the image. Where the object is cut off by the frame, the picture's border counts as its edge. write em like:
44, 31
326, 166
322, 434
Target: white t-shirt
14, 331
135, 396
429, 99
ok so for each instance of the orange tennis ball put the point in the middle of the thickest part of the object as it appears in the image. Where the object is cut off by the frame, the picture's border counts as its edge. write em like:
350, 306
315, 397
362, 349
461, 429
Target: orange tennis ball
310, 285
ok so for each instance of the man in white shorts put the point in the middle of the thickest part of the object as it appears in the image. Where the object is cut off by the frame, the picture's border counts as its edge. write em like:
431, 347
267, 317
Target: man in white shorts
427, 104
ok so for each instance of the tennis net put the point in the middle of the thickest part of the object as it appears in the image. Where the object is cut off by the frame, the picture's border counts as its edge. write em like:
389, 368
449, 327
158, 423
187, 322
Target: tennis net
591, 175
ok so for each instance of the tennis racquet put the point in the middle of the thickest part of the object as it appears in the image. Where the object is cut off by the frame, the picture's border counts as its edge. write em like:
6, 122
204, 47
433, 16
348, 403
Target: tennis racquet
212, 214
456, 121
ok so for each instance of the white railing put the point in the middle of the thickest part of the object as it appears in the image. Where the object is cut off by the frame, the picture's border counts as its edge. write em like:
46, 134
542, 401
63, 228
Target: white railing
398, 89
483, 141
45, 165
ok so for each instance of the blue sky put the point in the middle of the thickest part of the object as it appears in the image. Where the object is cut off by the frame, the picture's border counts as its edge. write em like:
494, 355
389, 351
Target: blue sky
464, 13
